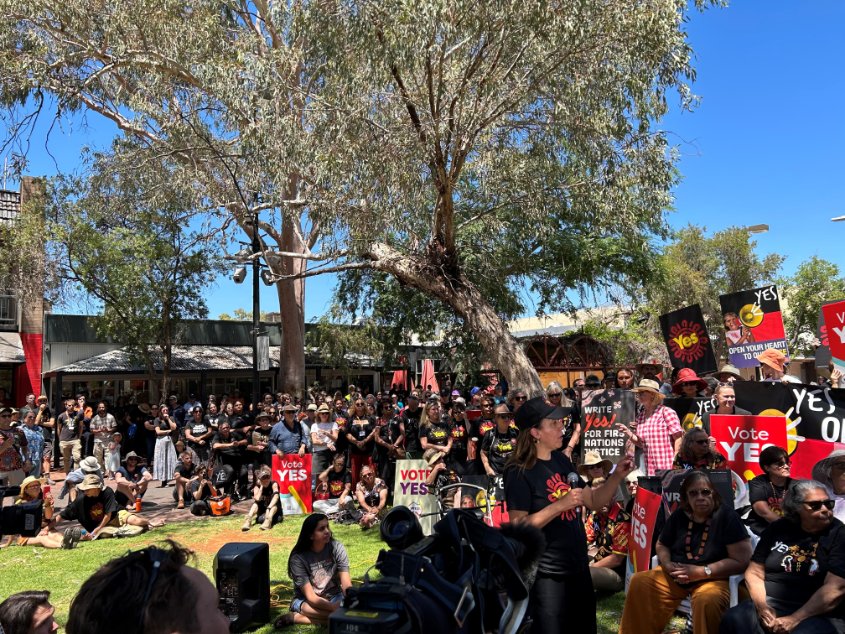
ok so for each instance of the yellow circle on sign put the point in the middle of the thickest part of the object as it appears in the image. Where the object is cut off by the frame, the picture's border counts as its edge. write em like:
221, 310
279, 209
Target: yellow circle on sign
751, 315
791, 435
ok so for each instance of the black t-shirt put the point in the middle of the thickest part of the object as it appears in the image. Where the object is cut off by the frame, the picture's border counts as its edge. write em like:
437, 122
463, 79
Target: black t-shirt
411, 421
337, 482
761, 489
460, 441
532, 490
89, 512
498, 446
796, 563
572, 416
136, 476
71, 426
437, 433
229, 451
388, 431
359, 429
197, 429
186, 471
725, 529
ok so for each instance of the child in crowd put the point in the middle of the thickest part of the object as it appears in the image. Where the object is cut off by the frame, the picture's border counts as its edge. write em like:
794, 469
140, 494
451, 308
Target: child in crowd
113, 455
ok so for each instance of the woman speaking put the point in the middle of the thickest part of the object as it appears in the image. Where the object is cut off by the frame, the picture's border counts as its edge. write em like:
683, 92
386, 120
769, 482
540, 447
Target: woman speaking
543, 488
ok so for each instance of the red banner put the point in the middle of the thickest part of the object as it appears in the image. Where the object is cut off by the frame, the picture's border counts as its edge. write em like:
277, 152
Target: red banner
741, 439
643, 519
293, 473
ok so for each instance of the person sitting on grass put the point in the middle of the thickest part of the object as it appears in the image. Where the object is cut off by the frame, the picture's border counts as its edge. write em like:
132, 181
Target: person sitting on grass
31, 492
371, 494
266, 505
184, 475
200, 491
318, 565
338, 483
28, 612
149, 591
87, 466
132, 480
95, 510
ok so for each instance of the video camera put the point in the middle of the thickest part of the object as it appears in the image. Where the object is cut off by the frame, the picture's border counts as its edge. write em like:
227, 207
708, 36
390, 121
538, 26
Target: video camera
466, 577
18, 519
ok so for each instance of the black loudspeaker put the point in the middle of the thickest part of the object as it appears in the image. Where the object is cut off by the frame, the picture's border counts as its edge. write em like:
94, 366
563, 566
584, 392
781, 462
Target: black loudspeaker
242, 575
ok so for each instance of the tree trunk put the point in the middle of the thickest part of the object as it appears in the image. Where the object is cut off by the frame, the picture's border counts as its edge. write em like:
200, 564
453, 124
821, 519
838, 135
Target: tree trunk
462, 296
292, 310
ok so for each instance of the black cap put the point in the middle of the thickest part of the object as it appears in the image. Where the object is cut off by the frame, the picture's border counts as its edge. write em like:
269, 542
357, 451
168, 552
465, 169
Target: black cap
534, 410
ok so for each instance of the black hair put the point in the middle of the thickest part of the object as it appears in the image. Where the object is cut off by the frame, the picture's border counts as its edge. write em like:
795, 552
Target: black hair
111, 600
772, 454
694, 476
17, 610
303, 542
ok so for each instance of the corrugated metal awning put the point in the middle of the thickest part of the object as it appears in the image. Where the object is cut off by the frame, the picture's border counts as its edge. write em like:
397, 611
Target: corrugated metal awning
11, 349
184, 359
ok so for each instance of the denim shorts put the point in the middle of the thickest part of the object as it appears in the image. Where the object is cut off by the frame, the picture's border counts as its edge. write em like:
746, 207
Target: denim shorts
296, 604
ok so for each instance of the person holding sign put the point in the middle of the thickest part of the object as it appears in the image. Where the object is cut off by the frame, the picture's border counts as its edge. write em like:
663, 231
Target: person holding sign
725, 396
696, 452
657, 429
543, 489
701, 546
796, 577
766, 491
773, 367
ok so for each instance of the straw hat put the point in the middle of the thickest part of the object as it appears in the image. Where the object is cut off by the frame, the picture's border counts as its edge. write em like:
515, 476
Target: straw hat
432, 455
648, 385
91, 481
591, 459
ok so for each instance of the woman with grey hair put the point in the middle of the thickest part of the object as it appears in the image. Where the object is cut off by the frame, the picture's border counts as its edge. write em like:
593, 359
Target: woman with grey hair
796, 578
831, 473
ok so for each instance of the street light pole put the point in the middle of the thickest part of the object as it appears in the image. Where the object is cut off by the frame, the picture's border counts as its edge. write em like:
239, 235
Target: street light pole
256, 307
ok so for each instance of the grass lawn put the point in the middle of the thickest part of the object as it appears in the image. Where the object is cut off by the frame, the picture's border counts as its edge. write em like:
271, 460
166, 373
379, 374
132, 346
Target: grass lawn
63, 571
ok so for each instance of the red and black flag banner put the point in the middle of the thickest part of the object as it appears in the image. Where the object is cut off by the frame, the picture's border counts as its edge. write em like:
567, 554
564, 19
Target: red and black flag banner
687, 340
813, 419
753, 323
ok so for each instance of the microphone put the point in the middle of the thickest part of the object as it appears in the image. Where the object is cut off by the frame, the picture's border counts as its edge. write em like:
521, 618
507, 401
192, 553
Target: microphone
573, 479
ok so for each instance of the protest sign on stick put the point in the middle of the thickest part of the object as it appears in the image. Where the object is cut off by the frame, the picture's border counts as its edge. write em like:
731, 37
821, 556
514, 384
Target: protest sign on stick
293, 473
687, 340
753, 323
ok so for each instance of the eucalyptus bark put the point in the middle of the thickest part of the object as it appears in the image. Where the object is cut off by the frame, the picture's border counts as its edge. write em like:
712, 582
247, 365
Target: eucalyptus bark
455, 290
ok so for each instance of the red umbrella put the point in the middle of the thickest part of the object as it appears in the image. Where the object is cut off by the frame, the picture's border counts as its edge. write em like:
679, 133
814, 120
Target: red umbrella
428, 376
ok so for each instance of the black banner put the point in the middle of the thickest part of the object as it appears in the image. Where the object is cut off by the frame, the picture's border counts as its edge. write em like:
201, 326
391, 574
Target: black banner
814, 416
600, 411
687, 340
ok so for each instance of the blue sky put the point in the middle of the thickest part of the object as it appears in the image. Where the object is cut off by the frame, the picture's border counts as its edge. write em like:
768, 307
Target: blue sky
763, 146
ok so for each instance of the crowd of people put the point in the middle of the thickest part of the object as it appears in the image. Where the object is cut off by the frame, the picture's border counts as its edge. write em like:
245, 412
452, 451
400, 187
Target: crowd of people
795, 574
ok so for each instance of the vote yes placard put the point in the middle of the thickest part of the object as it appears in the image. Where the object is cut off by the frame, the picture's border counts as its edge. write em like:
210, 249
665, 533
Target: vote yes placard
741, 439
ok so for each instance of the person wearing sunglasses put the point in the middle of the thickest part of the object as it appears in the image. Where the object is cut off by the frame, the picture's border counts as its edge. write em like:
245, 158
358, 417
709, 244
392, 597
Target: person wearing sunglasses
516, 398
697, 452
702, 544
796, 578
767, 490
149, 591
572, 422
499, 442
831, 473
